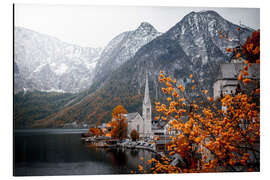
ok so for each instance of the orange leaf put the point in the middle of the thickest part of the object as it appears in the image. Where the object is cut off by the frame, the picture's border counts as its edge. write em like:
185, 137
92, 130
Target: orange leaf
229, 49
240, 77
258, 91
246, 81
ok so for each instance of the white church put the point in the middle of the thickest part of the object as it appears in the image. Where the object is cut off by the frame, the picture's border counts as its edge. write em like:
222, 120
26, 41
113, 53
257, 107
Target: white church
142, 124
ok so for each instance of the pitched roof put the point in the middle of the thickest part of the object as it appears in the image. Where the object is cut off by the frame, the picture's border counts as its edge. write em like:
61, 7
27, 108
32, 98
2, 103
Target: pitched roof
160, 124
131, 116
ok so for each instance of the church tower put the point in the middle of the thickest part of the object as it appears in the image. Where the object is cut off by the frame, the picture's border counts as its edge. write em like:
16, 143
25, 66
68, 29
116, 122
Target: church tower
147, 111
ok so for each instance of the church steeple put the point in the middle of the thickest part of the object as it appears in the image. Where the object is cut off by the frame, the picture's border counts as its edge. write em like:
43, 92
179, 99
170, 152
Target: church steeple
146, 100
147, 110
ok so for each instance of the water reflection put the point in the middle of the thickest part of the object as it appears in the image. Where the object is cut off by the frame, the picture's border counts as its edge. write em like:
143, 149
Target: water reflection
64, 154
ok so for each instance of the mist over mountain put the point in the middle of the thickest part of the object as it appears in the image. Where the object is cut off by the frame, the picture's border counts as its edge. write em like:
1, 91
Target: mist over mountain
193, 45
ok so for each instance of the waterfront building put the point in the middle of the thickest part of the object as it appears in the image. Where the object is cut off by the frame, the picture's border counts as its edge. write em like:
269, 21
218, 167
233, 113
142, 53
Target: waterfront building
142, 124
227, 80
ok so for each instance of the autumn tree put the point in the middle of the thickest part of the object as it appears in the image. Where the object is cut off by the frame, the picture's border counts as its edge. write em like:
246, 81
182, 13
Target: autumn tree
211, 136
251, 48
134, 135
119, 124
94, 131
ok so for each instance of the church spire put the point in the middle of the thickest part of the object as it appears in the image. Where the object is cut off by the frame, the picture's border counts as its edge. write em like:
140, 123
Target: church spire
146, 100
147, 110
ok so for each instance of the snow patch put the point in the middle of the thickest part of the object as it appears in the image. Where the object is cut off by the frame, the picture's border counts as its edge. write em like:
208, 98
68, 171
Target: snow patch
183, 30
24, 91
39, 67
204, 60
61, 69
54, 90
91, 65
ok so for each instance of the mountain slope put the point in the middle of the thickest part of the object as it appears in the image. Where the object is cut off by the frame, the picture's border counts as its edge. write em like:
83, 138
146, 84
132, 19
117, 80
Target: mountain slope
45, 63
191, 46
32, 106
122, 48
199, 35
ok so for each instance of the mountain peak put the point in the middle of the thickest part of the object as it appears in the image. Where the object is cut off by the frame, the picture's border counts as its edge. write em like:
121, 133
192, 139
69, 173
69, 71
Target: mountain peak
204, 13
146, 26
208, 12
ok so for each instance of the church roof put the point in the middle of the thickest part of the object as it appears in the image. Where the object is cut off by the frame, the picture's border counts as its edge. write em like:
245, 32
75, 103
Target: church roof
159, 124
131, 116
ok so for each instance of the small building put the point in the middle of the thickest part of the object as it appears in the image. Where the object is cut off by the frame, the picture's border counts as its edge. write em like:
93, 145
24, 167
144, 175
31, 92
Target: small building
103, 127
85, 125
135, 121
71, 125
158, 127
227, 80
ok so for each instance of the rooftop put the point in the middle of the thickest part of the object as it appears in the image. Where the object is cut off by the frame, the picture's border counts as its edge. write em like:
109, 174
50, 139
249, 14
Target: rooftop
232, 70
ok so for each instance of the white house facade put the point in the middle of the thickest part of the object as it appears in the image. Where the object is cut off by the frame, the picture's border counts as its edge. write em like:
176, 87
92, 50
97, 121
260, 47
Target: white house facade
135, 121
227, 81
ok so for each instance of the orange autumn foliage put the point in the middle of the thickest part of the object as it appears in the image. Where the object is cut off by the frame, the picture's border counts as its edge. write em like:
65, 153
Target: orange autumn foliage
118, 123
251, 48
215, 136
95, 131
229, 49
211, 139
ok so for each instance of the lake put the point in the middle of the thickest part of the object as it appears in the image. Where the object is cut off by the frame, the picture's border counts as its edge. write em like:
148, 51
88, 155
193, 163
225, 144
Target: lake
45, 152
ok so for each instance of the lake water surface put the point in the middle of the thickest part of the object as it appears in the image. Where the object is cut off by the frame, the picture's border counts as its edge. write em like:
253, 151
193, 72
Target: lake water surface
61, 152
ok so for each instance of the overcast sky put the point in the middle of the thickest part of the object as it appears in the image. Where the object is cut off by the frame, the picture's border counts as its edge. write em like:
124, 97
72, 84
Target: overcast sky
95, 26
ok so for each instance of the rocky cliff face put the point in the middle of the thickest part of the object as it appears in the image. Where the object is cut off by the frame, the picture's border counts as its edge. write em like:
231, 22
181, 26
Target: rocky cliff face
192, 46
47, 64
198, 33
121, 49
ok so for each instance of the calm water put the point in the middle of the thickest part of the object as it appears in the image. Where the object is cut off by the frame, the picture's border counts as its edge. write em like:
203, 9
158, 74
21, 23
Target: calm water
60, 152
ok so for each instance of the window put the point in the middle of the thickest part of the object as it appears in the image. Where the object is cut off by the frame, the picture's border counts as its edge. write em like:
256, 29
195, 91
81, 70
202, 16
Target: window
138, 127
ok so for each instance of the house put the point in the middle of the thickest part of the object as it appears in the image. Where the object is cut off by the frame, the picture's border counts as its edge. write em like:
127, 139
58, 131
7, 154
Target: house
71, 125
227, 80
135, 121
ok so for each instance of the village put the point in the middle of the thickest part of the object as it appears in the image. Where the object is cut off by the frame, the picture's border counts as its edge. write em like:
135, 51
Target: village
104, 90
142, 132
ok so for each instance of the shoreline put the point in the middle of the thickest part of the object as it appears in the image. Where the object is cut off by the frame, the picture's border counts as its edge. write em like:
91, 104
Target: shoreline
122, 146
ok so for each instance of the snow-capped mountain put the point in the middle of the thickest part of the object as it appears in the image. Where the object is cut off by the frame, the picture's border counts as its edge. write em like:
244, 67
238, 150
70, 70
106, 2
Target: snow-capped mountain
123, 47
45, 63
204, 37
193, 45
